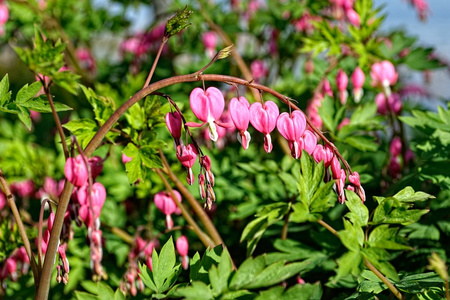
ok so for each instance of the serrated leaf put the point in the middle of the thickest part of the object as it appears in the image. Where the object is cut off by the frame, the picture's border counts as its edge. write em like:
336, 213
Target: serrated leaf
105, 292
349, 263
147, 278
28, 92
199, 267
5, 94
198, 290
408, 195
363, 142
359, 213
85, 296
41, 104
24, 117
246, 271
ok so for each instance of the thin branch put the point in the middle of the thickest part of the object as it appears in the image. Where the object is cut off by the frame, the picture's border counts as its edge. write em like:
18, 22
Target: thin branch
57, 121
368, 265
50, 255
155, 62
22, 231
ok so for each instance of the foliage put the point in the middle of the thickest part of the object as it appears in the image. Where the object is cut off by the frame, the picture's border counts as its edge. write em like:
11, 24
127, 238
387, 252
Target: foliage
277, 229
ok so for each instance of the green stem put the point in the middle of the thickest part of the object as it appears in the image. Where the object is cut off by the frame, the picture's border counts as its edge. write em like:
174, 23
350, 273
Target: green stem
368, 265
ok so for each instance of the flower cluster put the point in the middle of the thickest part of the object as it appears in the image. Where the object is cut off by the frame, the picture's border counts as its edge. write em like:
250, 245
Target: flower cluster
17, 263
208, 105
141, 249
87, 201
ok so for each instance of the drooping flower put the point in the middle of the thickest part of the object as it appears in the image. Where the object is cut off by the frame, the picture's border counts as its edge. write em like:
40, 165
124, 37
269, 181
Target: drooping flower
393, 103
396, 146
264, 118
291, 126
207, 106
182, 245
312, 110
352, 17
23, 188
240, 115
324, 154
209, 40
76, 171
354, 179
187, 158
166, 204
259, 70
309, 141
174, 124
341, 83
358, 79
383, 76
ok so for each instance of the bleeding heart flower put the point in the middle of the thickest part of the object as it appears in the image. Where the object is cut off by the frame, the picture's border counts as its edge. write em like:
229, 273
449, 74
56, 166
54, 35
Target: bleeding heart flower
358, 79
187, 158
352, 17
383, 75
174, 123
240, 115
76, 171
182, 245
323, 153
291, 128
207, 106
98, 195
354, 179
264, 118
309, 141
336, 168
166, 204
341, 83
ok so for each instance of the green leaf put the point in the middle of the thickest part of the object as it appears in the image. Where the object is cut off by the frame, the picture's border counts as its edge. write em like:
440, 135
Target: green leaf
5, 93
384, 237
359, 214
28, 92
85, 296
83, 129
24, 117
147, 278
103, 107
327, 112
352, 236
364, 114
349, 263
198, 291
165, 272
247, 271
269, 215
105, 292
323, 198
41, 104
378, 257
218, 276
134, 168
363, 142
118, 295
274, 274
199, 268
408, 195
